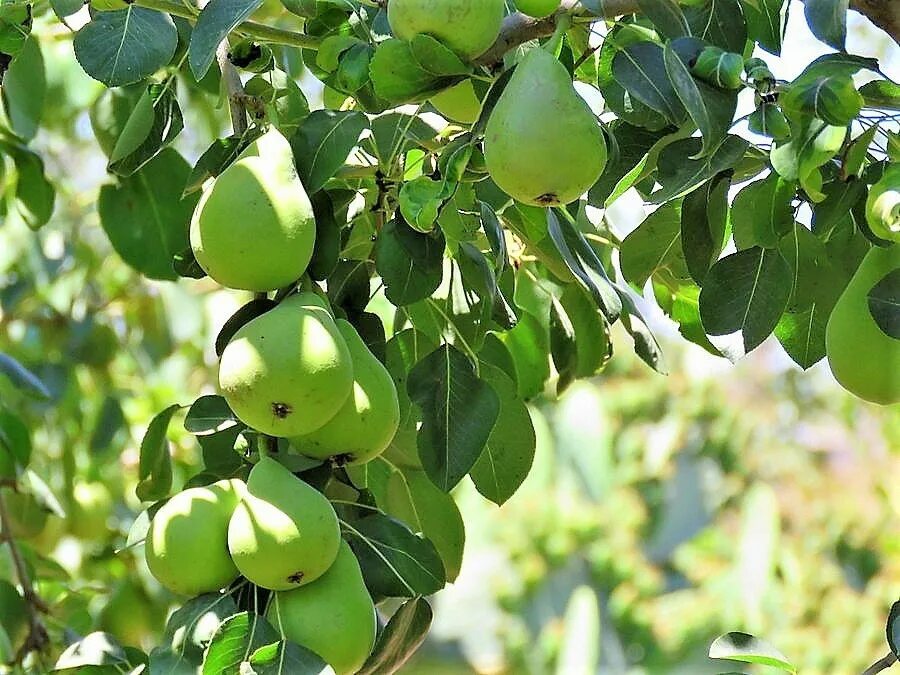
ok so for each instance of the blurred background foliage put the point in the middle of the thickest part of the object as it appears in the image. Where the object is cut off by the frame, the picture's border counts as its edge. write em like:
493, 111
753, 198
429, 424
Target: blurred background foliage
660, 512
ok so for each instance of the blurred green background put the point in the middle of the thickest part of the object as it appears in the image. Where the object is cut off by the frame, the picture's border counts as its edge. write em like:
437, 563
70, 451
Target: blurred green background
660, 513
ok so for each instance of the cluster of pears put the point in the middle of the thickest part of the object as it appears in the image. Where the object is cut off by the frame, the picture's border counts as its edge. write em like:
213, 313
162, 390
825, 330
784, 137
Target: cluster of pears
543, 144
863, 358
281, 534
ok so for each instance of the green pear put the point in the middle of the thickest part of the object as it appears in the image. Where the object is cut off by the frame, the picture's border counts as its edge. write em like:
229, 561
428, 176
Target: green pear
253, 228
458, 103
90, 510
863, 358
187, 543
537, 8
284, 533
368, 420
333, 616
468, 27
289, 371
883, 205
543, 145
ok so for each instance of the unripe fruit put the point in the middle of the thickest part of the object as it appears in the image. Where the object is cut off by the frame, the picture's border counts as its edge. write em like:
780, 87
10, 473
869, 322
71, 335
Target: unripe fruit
187, 543
334, 616
288, 371
537, 8
863, 358
883, 205
468, 27
92, 506
254, 228
458, 103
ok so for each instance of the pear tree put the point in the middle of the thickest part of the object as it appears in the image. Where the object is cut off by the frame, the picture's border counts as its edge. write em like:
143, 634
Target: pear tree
424, 237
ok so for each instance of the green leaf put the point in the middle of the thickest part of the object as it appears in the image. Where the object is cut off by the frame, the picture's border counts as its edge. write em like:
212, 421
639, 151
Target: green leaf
323, 142
893, 628
16, 20
666, 16
217, 19
809, 148
436, 58
35, 195
832, 98
654, 245
459, 410
640, 68
94, 649
827, 19
679, 173
22, 378
884, 304
253, 309
286, 658
749, 649
398, 77
711, 109
395, 562
746, 291
24, 89
410, 263
15, 442
394, 134
766, 21
234, 641
209, 415
718, 22
153, 124
528, 344
125, 46
144, 216
507, 458
188, 632
881, 94
213, 161
400, 639
155, 468
763, 212
704, 226
421, 200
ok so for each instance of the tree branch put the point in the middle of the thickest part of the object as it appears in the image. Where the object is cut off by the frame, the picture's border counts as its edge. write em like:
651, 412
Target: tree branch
881, 664
883, 13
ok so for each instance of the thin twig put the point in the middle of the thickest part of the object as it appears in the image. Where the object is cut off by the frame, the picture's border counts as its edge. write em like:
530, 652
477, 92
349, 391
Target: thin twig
37, 633
881, 664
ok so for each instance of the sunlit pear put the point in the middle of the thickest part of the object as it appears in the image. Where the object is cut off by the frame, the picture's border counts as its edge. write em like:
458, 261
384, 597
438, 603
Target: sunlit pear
253, 228
863, 358
883, 205
333, 616
543, 145
90, 510
458, 103
468, 27
284, 533
187, 543
368, 420
289, 371
537, 8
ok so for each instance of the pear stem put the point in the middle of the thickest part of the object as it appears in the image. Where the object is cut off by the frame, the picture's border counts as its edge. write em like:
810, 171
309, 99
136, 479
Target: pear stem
234, 88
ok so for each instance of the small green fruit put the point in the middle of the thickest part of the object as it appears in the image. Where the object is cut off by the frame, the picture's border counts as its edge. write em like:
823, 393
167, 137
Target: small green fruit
254, 228
863, 358
284, 533
883, 205
458, 103
368, 420
468, 27
333, 616
288, 371
537, 8
187, 543
543, 145
92, 506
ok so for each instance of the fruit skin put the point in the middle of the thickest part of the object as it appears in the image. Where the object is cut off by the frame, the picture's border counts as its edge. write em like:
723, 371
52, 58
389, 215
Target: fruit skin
883, 205
468, 27
537, 8
289, 371
334, 616
543, 145
92, 506
367, 422
284, 533
458, 103
187, 543
254, 228
864, 359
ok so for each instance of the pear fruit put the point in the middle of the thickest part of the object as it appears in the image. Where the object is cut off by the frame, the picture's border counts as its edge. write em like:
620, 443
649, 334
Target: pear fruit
90, 510
458, 103
334, 616
468, 27
187, 543
537, 8
863, 358
368, 420
253, 228
543, 145
284, 533
883, 205
289, 371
